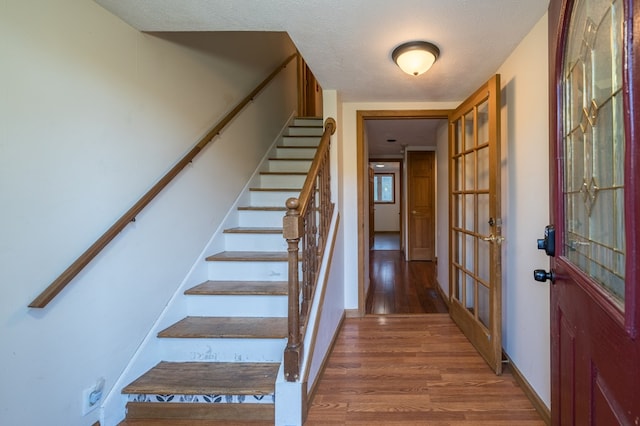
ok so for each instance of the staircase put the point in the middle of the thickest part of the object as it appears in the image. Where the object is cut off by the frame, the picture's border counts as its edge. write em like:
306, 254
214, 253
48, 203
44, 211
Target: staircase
239, 314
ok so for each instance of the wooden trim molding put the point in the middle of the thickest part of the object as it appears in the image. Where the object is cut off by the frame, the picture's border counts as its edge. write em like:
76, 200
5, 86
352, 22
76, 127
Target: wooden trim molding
442, 293
533, 396
363, 245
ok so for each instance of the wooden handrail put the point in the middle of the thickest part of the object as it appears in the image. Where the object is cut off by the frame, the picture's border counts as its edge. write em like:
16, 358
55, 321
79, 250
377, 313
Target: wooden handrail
307, 220
309, 182
74, 269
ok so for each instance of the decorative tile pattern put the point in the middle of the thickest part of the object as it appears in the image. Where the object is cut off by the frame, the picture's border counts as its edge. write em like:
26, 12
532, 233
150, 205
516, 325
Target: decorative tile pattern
206, 399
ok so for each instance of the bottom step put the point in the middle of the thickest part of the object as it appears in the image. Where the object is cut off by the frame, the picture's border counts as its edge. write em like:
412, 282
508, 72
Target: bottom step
225, 413
204, 391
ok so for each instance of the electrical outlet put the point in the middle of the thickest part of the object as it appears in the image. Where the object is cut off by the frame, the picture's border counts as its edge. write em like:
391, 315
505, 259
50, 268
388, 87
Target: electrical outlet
91, 397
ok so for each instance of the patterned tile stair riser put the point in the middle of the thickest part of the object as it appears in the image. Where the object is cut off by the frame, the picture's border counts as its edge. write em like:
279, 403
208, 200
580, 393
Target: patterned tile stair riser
207, 399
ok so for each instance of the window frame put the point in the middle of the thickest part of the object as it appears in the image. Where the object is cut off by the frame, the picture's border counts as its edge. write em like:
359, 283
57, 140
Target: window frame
376, 176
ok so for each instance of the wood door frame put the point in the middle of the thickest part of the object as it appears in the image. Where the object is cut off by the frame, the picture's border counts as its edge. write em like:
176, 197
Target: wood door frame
362, 163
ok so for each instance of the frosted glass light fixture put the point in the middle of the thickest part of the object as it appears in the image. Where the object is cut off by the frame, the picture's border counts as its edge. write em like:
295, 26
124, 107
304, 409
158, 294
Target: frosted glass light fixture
415, 57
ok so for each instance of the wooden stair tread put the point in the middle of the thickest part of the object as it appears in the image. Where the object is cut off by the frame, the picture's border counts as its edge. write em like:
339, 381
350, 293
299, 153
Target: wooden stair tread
255, 256
252, 230
227, 327
240, 288
206, 378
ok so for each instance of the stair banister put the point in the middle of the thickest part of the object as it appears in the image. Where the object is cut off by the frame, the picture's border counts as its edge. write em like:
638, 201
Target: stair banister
307, 220
74, 269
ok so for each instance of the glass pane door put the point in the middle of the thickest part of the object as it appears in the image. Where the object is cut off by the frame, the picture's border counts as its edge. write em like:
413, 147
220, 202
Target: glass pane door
475, 286
593, 141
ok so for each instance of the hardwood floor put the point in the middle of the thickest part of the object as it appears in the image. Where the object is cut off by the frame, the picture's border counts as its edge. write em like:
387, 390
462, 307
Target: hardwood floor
413, 370
399, 287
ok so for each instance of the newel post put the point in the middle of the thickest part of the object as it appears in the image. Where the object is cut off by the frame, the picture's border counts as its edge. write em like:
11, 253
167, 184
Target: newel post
292, 232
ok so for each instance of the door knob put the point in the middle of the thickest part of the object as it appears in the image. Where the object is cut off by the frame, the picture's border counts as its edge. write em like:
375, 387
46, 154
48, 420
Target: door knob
542, 276
494, 239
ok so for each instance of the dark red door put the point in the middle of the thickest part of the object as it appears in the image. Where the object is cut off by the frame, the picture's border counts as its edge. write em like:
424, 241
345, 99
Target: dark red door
595, 195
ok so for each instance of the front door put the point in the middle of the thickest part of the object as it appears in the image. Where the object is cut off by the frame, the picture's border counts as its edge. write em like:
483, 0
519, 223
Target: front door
595, 193
475, 277
422, 205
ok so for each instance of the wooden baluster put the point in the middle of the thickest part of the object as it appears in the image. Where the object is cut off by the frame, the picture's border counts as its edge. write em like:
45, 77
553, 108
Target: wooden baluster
291, 231
307, 219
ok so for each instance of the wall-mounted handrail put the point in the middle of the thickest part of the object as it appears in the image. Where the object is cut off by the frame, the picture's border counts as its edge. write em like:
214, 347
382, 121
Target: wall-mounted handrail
74, 269
307, 220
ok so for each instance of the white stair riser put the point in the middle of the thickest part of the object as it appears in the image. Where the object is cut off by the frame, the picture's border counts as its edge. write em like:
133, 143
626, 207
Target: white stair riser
271, 198
305, 153
269, 219
316, 122
300, 141
248, 271
282, 181
258, 242
237, 306
223, 350
304, 131
289, 166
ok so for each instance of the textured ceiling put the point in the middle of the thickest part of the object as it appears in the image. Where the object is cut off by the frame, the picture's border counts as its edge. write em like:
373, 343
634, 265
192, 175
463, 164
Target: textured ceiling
348, 43
402, 133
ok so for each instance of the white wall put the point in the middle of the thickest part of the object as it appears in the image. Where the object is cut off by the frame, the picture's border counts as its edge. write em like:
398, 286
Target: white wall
387, 215
92, 114
442, 205
525, 207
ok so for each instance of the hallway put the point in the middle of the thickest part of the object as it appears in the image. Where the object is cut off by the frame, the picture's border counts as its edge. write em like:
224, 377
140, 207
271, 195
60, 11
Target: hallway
400, 287
413, 370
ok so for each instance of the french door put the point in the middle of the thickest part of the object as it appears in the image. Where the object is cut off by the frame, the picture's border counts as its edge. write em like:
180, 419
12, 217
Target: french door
595, 193
475, 276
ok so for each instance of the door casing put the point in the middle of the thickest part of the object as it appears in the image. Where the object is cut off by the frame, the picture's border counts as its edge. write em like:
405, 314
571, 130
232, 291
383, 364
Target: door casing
363, 190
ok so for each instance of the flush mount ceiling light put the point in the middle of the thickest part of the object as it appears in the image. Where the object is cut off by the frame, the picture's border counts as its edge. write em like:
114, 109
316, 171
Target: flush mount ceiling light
415, 57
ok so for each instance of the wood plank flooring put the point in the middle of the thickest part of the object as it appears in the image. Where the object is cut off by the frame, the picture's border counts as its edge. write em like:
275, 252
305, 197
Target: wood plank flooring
413, 370
400, 287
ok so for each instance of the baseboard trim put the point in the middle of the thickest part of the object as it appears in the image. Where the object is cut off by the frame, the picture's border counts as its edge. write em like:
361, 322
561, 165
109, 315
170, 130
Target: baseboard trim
533, 396
443, 295
352, 313
311, 393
